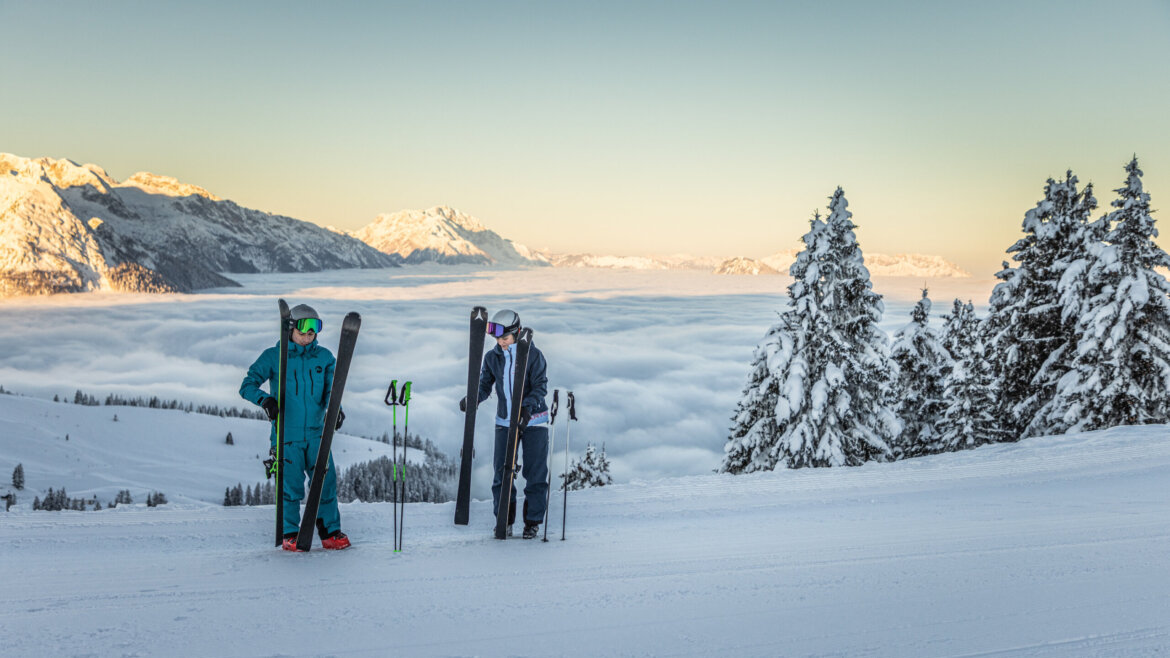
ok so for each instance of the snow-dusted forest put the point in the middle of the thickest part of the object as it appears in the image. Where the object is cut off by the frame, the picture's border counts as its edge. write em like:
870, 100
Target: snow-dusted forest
1076, 337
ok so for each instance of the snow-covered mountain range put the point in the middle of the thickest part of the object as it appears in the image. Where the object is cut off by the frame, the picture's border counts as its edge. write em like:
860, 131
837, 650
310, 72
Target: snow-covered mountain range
443, 235
673, 262
745, 266
66, 227
900, 265
912, 265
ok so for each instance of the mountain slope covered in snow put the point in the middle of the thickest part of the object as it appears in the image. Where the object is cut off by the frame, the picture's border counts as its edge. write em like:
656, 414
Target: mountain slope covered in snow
443, 235
66, 227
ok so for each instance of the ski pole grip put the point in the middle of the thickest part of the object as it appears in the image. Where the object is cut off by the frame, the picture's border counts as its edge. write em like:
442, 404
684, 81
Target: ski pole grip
555, 404
405, 393
572, 406
392, 394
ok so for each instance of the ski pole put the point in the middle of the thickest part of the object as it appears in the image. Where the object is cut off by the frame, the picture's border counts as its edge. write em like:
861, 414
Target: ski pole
552, 438
405, 402
392, 402
565, 482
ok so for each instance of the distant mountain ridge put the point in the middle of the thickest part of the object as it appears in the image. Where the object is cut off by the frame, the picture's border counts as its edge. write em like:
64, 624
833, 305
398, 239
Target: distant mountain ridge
66, 227
675, 262
913, 265
916, 265
443, 235
745, 266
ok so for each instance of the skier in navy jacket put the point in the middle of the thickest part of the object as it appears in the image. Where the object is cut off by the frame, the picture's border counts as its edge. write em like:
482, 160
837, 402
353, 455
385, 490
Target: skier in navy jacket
498, 371
308, 382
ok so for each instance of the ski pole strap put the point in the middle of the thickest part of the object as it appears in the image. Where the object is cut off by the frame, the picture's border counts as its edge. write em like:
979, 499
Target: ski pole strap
572, 406
405, 402
392, 394
556, 403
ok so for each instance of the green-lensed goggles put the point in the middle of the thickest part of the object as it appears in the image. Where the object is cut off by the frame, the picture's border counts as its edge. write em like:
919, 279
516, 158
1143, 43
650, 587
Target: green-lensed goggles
310, 324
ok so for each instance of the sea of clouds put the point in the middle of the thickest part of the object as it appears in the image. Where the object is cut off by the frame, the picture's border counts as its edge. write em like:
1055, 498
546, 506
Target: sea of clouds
657, 360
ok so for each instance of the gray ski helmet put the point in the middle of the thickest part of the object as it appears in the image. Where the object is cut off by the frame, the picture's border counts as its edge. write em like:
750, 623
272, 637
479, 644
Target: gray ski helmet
504, 322
305, 312
302, 311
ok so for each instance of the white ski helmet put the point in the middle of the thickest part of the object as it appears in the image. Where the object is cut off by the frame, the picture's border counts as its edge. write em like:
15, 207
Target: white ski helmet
504, 322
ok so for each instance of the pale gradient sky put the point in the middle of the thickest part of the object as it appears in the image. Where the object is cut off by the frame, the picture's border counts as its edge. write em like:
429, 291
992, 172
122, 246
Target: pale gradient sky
612, 127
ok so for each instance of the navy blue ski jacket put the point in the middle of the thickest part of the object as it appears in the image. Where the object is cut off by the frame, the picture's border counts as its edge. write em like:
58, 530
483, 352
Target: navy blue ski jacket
497, 370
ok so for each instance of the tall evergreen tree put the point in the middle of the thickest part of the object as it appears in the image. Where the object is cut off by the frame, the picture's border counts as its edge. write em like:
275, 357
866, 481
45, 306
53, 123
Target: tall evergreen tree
18, 477
923, 363
1121, 371
969, 419
1026, 333
819, 390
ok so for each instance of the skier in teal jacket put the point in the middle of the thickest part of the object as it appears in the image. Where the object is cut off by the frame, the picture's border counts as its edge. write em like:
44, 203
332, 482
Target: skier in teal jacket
308, 381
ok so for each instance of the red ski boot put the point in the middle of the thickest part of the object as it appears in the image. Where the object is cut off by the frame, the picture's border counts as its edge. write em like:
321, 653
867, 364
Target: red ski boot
290, 544
335, 542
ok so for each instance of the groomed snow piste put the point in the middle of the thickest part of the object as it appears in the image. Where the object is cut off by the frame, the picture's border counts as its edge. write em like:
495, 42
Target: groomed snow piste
1053, 547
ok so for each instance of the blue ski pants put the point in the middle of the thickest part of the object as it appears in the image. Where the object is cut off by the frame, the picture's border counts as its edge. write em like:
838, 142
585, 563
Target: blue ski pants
300, 458
534, 448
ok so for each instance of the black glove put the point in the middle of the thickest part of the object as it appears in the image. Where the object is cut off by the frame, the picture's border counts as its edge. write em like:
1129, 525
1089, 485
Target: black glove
525, 416
340, 418
463, 404
270, 463
270, 407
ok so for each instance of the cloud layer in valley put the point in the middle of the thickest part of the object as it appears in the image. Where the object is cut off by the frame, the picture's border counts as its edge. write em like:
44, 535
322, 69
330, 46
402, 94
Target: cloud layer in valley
657, 360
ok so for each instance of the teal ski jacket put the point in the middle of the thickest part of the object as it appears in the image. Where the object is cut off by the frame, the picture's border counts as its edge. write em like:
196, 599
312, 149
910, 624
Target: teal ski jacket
308, 381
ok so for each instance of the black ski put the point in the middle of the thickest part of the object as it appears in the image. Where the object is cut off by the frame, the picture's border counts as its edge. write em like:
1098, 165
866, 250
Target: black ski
479, 317
523, 342
285, 335
349, 332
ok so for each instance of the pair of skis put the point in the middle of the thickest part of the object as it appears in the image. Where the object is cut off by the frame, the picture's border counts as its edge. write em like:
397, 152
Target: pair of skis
395, 399
349, 331
572, 406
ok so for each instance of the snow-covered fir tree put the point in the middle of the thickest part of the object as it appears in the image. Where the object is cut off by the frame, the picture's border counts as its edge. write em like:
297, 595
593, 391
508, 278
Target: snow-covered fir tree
820, 389
969, 419
18, 477
1026, 332
591, 470
1120, 373
923, 364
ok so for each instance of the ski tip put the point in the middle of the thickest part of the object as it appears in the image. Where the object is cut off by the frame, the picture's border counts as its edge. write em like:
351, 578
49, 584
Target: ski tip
479, 313
352, 321
525, 335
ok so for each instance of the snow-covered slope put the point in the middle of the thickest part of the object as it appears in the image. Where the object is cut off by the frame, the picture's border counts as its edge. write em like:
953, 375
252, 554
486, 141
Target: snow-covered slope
744, 266
98, 451
1049, 547
66, 227
915, 265
443, 235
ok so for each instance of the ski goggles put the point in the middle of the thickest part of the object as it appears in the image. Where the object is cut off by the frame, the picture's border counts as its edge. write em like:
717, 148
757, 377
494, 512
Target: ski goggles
309, 324
496, 329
